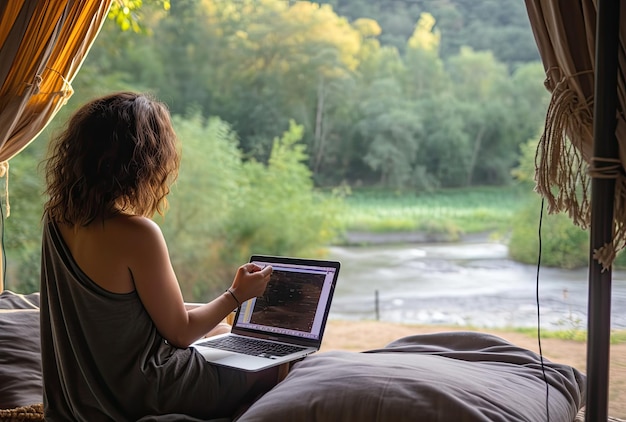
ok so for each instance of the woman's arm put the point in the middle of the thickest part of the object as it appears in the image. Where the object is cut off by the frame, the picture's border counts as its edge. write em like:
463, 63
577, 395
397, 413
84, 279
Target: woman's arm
159, 291
225, 325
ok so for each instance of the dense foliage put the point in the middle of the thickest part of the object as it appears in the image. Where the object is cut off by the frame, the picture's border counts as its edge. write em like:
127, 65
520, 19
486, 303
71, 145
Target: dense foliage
275, 99
499, 26
443, 101
562, 243
539, 237
223, 209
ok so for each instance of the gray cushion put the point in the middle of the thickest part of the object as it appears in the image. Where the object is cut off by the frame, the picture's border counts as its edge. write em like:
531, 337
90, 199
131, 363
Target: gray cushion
445, 377
20, 352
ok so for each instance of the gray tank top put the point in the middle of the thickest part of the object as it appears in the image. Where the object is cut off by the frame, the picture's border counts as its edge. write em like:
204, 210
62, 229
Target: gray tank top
104, 360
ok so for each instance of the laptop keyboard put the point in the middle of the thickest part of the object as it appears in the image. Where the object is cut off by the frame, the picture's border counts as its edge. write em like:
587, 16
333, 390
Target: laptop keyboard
251, 346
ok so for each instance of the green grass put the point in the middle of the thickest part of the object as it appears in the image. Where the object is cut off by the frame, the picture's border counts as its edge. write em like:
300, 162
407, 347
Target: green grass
470, 210
576, 334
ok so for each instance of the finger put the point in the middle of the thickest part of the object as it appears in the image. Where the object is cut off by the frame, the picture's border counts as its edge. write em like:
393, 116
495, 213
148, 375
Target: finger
251, 267
267, 271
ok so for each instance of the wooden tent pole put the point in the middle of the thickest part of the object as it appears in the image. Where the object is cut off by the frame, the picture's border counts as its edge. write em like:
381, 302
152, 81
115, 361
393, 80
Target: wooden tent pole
602, 200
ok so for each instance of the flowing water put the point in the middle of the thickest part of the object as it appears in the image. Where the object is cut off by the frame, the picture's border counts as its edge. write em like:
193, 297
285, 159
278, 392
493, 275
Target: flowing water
472, 283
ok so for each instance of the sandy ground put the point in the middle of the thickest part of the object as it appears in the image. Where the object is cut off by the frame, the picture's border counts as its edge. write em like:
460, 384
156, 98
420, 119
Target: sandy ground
364, 335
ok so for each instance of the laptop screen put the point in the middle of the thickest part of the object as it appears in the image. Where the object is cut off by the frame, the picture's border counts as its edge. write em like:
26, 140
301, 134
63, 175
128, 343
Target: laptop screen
296, 301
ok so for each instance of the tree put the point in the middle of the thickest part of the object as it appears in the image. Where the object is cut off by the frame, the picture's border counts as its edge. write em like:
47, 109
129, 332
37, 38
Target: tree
392, 128
278, 210
444, 158
222, 208
287, 60
201, 202
528, 100
425, 76
127, 14
499, 26
481, 84
257, 64
184, 48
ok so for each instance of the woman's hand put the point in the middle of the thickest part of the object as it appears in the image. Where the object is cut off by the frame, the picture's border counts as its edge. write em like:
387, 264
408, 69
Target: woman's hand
250, 281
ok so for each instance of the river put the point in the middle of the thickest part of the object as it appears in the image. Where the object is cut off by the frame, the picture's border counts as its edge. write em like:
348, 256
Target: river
472, 283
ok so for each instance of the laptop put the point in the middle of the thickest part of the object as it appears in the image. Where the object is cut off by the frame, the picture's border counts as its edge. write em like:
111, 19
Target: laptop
285, 324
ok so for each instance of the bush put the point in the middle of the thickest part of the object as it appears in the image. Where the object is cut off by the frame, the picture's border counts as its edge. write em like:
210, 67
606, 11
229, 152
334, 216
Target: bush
278, 211
223, 209
563, 244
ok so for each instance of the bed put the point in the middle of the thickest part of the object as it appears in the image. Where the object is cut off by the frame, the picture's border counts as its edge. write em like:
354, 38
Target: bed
448, 376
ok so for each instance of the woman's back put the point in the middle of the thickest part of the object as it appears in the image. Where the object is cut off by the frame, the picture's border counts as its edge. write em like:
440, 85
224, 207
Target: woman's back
107, 361
102, 250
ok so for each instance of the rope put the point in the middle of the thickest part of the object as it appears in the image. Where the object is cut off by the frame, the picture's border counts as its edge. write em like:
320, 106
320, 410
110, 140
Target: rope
611, 168
25, 413
562, 175
559, 166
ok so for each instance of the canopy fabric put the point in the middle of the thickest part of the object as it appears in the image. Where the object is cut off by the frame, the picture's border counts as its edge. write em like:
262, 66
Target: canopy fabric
42, 46
565, 33
583, 144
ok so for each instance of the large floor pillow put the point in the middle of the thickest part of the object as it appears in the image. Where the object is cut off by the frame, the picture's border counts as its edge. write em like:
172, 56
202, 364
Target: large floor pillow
445, 377
20, 352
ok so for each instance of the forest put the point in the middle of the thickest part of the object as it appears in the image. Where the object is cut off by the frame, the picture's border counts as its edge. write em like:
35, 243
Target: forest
382, 102
284, 108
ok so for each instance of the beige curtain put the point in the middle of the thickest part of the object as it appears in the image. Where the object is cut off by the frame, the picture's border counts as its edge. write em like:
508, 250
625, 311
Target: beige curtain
42, 46
565, 34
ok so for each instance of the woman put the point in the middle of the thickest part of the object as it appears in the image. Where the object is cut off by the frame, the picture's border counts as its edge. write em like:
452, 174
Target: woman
114, 328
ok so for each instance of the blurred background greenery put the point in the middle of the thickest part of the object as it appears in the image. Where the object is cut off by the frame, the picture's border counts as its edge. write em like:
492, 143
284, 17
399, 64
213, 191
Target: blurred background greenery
302, 121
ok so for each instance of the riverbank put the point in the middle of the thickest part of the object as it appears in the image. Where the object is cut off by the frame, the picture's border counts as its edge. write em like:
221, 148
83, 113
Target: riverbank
363, 335
363, 238
370, 238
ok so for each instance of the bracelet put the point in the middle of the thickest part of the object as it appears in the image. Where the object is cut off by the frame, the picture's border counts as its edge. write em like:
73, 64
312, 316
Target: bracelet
234, 297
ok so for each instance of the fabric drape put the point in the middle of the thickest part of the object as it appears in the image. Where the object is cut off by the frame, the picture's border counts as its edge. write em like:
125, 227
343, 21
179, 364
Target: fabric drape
565, 34
42, 46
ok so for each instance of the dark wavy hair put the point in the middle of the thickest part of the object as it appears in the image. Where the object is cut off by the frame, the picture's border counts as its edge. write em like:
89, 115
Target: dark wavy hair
118, 153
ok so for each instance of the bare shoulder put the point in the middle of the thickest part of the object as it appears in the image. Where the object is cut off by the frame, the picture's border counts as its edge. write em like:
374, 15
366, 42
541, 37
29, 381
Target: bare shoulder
135, 225
135, 233
106, 250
